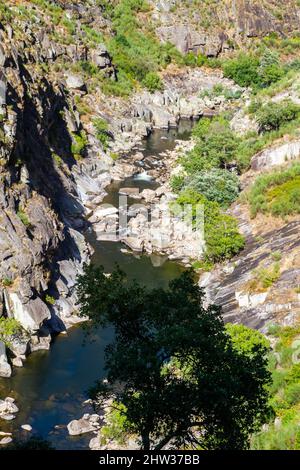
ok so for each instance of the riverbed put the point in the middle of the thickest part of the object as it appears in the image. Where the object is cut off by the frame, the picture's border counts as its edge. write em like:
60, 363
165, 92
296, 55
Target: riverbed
51, 387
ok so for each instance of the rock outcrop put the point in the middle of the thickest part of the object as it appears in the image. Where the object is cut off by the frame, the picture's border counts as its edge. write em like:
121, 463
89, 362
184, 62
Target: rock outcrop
213, 30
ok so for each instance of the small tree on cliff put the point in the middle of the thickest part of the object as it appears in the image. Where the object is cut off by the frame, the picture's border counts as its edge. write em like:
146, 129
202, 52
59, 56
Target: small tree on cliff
173, 371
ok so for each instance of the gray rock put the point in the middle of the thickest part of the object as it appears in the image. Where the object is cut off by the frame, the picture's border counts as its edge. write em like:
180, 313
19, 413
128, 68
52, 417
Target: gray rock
26, 427
75, 82
83, 425
5, 440
8, 409
5, 368
30, 314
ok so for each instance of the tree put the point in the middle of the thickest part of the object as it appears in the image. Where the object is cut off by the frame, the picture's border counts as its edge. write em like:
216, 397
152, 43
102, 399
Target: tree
216, 145
273, 115
173, 371
222, 237
243, 70
217, 185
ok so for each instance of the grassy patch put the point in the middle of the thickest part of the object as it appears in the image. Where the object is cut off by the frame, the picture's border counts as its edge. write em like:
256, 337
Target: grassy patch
276, 193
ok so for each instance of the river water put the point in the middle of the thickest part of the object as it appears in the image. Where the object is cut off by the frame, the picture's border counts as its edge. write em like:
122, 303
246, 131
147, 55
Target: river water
51, 387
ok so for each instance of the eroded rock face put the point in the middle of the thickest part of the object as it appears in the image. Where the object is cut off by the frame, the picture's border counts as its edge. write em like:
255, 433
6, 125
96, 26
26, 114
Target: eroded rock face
276, 155
197, 27
242, 301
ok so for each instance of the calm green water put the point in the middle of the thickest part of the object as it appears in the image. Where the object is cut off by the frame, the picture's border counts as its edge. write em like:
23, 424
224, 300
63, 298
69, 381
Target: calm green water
51, 387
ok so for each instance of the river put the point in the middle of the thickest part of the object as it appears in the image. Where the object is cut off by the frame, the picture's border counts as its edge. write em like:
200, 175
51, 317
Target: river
51, 387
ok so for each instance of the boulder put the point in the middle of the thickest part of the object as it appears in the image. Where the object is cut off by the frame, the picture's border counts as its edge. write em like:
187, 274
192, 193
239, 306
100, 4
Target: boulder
148, 194
5, 440
5, 368
88, 423
8, 409
30, 314
75, 82
26, 427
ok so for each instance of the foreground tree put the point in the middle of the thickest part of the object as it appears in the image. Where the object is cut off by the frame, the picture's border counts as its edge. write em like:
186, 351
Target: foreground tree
175, 375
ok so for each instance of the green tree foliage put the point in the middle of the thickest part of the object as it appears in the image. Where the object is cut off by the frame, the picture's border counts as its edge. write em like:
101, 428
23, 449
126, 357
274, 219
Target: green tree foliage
173, 369
250, 70
216, 145
243, 70
152, 82
285, 392
222, 237
273, 115
217, 185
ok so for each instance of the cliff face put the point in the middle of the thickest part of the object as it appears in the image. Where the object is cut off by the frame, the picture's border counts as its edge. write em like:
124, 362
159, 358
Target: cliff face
41, 210
215, 27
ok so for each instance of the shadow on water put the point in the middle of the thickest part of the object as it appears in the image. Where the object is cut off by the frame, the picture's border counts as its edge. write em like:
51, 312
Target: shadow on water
51, 387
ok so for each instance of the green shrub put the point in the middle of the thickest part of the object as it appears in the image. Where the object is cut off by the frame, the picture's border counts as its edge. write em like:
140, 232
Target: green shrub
177, 183
243, 70
249, 70
277, 193
79, 145
263, 278
216, 145
24, 218
8, 328
115, 427
222, 236
272, 115
49, 299
101, 128
152, 82
217, 185
7, 282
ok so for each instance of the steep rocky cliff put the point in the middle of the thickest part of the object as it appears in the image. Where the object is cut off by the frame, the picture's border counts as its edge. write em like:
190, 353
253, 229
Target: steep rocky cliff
215, 27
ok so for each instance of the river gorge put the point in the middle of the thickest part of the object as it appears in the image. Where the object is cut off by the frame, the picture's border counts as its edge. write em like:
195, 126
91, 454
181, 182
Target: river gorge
50, 389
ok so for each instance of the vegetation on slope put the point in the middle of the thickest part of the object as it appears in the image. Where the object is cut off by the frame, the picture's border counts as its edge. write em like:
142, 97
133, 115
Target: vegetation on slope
277, 193
283, 433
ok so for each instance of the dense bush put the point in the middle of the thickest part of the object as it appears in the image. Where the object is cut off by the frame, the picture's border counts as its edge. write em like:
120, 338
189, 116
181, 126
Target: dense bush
101, 128
216, 145
152, 82
277, 193
243, 70
217, 185
285, 393
79, 144
250, 70
273, 115
222, 236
